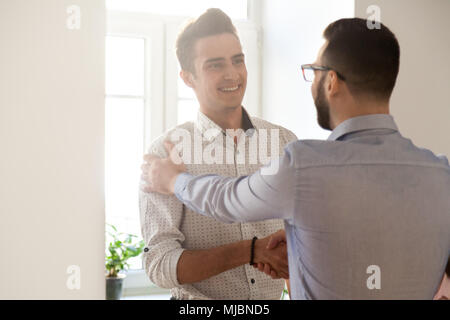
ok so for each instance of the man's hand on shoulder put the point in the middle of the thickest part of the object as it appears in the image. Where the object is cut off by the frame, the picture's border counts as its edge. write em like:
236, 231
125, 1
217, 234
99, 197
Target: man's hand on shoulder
160, 174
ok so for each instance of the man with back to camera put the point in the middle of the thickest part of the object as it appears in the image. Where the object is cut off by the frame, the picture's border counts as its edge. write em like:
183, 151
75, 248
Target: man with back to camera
367, 213
199, 257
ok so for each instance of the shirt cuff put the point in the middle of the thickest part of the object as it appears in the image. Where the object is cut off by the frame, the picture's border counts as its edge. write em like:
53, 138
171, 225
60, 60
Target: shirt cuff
181, 183
173, 263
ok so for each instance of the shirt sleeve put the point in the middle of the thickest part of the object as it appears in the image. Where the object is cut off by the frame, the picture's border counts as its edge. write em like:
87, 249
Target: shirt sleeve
266, 194
289, 136
160, 226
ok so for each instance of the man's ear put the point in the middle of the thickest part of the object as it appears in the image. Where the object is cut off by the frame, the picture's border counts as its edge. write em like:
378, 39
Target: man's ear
332, 84
188, 78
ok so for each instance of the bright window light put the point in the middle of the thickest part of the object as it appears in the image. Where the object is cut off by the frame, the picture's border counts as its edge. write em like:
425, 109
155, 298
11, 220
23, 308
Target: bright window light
187, 110
124, 133
125, 66
123, 157
236, 9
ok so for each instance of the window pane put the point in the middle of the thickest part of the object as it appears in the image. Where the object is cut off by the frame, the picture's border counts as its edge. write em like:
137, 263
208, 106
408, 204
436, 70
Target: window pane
124, 140
236, 9
187, 110
125, 66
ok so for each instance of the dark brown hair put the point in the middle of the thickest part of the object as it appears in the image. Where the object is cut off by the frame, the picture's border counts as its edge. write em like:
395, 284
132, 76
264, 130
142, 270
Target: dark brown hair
212, 22
368, 59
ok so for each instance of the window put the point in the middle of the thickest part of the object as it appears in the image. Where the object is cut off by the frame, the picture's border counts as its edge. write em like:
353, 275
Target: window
145, 96
124, 131
187, 103
236, 9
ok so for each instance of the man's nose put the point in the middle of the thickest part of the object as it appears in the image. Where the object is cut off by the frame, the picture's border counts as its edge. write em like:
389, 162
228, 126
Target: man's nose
231, 73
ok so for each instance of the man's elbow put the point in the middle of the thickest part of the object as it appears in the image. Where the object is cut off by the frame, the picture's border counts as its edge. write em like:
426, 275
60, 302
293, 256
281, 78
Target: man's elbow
159, 278
161, 270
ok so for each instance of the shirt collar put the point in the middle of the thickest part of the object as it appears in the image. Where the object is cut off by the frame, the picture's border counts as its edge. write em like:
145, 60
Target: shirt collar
210, 130
367, 122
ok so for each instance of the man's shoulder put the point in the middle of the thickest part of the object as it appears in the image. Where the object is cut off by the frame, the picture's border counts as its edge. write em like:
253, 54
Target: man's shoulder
431, 157
310, 152
443, 159
420, 154
264, 124
287, 134
157, 145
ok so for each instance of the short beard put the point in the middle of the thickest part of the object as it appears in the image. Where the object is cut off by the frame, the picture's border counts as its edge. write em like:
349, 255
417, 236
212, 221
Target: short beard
322, 106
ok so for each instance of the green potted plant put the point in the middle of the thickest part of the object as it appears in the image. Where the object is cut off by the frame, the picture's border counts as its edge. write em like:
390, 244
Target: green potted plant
121, 247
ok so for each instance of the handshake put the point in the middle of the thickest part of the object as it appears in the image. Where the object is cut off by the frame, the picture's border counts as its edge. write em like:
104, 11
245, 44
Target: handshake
270, 255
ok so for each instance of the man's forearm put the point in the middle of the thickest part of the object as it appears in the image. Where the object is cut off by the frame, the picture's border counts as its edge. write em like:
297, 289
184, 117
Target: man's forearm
198, 265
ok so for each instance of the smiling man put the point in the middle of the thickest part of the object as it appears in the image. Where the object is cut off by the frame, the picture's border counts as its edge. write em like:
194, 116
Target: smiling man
199, 257
367, 213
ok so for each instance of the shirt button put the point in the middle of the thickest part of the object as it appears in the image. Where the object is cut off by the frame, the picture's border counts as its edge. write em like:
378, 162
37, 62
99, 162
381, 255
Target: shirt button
252, 280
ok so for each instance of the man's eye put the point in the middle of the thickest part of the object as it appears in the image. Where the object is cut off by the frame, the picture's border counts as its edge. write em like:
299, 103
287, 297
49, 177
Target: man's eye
216, 65
238, 61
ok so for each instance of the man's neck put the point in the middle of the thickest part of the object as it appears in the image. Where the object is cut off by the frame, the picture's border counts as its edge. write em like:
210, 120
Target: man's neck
359, 110
226, 119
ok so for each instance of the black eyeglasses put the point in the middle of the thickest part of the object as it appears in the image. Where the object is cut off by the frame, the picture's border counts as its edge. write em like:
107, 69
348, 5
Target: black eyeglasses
308, 71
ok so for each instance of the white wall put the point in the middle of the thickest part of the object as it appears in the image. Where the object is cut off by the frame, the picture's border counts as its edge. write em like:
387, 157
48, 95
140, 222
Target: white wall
420, 102
51, 145
292, 36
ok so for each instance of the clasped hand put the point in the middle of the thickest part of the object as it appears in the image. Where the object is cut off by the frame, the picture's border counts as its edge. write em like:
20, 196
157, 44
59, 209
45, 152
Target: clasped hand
271, 255
159, 175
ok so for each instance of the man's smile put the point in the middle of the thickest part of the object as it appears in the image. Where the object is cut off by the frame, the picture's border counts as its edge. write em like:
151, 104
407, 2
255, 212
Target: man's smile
230, 88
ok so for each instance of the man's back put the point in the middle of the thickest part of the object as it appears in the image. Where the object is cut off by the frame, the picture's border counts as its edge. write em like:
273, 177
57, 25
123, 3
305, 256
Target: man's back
371, 217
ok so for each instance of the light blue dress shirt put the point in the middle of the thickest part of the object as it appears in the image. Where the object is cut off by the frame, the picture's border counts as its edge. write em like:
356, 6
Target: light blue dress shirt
367, 213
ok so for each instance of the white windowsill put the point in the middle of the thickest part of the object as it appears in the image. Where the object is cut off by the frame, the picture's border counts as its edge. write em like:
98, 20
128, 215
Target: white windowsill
149, 297
137, 286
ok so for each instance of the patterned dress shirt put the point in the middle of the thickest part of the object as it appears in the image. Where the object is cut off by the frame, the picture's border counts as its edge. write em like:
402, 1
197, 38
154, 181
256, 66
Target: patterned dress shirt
169, 228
